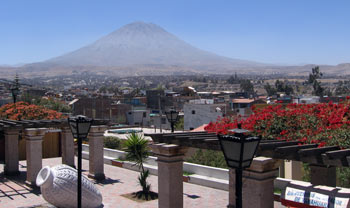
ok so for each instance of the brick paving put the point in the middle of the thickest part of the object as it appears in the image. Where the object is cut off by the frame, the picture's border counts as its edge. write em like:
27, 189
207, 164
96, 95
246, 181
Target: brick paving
15, 193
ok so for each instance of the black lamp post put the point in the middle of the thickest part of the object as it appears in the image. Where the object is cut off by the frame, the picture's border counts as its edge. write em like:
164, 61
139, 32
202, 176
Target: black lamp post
15, 92
80, 127
239, 150
172, 116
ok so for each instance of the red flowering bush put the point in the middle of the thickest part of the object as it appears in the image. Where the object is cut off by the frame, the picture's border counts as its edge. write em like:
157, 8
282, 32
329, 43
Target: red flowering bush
26, 111
325, 124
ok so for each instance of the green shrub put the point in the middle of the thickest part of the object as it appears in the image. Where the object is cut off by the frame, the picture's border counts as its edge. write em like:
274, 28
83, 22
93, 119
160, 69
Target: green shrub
306, 172
111, 142
343, 176
209, 158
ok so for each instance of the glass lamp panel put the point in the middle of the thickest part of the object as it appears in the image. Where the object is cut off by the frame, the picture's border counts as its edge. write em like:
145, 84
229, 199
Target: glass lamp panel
84, 128
15, 91
246, 164
231, 149
174, 116
168, 115
249, 149
73, 127
233, 164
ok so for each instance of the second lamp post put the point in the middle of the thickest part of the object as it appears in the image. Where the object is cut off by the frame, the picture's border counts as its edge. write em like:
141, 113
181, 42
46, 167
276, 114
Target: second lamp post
239, 150
80, 127
172, 116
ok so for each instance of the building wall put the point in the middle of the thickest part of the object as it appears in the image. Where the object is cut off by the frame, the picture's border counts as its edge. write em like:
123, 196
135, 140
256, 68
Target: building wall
160, 122
101, 108
138, 117
196, 115
154, 98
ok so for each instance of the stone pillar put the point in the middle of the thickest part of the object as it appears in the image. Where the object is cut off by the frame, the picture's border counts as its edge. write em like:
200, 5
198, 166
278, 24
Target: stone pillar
11, 151
67, 146
96, 169
170, 172
293, 170
323, 175
34, 138
282, 169
258, 188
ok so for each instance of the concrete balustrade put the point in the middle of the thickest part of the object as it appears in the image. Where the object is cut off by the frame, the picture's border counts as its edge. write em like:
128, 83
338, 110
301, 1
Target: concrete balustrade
170, 170
96, 162
67, 146
292, 170
11, 151
258, 183
34, 138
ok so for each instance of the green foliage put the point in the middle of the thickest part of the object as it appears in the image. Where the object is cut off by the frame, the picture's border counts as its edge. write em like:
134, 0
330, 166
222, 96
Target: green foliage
137, 151
280, 86
316, 74
47, 103
109, 89
209, 158
146, 187
233, 80
185, 173
270, 90
111, 142
306, 172
343, 176
179, 125
246, 86
343, 88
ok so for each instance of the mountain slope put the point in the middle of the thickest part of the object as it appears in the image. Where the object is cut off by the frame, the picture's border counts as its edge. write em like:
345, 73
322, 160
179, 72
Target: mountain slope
144, 44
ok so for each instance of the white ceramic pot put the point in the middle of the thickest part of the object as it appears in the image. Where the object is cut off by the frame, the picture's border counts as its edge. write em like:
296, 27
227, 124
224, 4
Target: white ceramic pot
59, 187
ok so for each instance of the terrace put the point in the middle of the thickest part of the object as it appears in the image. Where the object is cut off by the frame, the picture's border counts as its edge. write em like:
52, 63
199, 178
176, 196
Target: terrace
20, 190
119, 181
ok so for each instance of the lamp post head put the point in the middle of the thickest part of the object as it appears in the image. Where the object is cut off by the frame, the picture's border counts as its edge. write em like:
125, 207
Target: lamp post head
172, 115
239, 148
80, 126
239, 132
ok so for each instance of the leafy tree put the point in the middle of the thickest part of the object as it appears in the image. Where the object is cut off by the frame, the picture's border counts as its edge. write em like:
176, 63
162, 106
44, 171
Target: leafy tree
137, 151
26, 111
232, 79
280, 86
246, 86
343, 88
47, 103
270, 90
316, 74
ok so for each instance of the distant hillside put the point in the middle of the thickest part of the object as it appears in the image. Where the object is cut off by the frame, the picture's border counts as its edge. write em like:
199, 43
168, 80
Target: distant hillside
146, 49
140, 47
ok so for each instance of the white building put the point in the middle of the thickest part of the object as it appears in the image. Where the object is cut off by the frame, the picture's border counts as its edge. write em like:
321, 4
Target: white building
203, 111
307, 100
138, 117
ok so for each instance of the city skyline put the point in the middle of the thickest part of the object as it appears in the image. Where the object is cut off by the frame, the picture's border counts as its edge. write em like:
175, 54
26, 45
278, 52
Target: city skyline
276, 32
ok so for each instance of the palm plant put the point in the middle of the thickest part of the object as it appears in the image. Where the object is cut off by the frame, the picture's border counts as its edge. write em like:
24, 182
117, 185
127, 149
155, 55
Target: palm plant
137, 151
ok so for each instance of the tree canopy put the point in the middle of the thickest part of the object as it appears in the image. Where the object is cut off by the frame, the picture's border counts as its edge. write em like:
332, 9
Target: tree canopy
26, 111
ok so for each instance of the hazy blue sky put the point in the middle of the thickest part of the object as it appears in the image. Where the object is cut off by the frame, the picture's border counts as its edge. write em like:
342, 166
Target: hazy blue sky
279, 31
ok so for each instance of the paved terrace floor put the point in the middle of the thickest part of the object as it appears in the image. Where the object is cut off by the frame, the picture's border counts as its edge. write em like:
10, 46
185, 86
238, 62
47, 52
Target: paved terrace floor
15, 193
